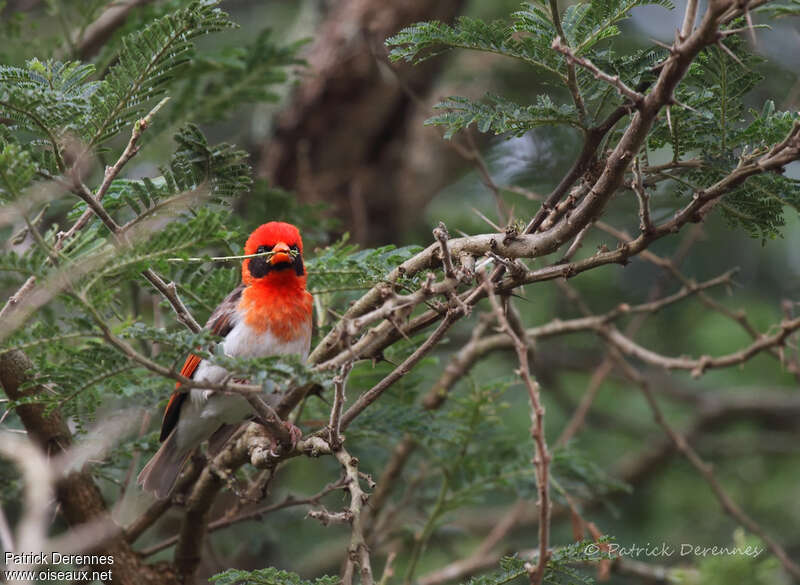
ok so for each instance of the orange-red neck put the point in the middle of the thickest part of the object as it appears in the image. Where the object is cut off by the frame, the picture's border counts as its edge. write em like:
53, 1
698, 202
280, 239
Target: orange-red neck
279, 303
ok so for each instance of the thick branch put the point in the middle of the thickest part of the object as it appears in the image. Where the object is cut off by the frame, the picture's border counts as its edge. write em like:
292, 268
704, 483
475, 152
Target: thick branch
357, 551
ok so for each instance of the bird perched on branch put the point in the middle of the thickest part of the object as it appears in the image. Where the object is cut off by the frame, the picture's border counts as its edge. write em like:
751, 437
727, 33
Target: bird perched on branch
269, 313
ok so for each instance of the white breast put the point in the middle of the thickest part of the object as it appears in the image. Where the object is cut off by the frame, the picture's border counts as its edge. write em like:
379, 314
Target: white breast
245, 342
207, 410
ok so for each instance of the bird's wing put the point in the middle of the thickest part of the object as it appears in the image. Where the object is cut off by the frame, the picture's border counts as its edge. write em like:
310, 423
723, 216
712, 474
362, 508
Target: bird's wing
220, 323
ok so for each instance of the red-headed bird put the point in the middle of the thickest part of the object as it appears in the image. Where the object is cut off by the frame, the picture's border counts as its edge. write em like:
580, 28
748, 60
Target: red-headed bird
269, 313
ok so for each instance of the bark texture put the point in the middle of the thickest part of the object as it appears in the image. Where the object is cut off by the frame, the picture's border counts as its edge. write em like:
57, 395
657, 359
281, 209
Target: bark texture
348, 134
79, 498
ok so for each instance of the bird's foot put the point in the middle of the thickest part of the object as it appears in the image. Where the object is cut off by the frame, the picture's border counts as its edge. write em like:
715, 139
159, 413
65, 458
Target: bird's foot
294, 436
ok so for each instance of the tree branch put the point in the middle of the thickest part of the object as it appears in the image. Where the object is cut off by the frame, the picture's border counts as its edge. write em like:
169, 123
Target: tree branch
357, 551
614, 80
542, 458
705, 470
97, 34
698, 366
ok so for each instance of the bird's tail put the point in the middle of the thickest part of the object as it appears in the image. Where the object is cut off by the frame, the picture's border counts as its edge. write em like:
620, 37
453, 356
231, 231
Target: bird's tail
159, 475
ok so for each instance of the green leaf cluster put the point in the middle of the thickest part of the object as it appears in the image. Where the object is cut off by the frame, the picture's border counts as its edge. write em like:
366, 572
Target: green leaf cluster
60, 116
343, 267
709, 120
500, 115
215, 86
268, 576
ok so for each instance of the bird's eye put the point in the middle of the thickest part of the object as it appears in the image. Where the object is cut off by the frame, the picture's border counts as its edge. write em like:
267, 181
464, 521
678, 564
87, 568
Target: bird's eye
262, 249
294, 247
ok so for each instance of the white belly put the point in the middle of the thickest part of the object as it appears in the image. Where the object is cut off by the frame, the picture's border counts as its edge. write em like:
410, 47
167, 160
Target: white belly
207, 410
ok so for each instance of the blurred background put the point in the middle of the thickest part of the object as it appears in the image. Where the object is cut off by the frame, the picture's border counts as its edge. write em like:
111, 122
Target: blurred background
342, 147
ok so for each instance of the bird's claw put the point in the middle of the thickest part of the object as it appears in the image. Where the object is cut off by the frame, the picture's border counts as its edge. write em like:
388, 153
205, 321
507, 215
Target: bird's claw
276, 448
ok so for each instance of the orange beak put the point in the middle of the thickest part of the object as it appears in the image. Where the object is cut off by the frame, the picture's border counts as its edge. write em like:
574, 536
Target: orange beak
280, 253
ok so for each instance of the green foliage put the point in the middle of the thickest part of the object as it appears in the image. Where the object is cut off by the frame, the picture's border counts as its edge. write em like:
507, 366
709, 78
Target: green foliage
558, 570
709, 121
342, 266
197, 174
512, 568
720, 130
792, 8
216, 86
52, 99
585, 24
147, 63
468, 443
183, 210
48, 99
758, 205
575, 474
720, 569
527, 37
424, 40
269, 576
17, 171
500, 115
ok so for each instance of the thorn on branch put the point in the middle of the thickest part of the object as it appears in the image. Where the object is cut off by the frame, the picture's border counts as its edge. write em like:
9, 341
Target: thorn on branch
671, 48
441, 234
515, 267
492, 224
645, 220
730, 53
335, 438
674, 102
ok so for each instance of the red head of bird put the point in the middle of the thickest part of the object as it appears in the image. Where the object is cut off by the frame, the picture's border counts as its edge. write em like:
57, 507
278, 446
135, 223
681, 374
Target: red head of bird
275, 295
284, 266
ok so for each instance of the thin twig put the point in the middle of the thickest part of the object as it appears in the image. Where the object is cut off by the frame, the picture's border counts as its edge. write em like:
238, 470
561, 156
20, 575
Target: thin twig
373, 393
612, 80
255, 514
645, 221
541, 459
698, 366
334, 426
572, 79
706, 470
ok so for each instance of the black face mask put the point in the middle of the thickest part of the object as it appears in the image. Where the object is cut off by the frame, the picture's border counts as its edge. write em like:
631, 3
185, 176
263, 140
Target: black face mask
260, 267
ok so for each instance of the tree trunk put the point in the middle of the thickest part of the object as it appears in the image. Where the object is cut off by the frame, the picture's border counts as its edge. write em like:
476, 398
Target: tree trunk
79, 499
346, 137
